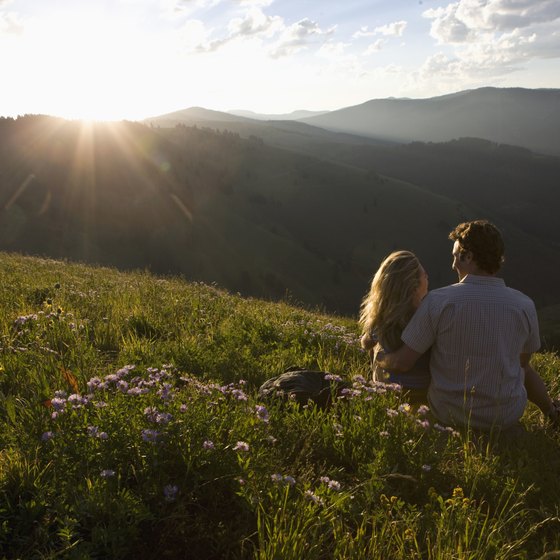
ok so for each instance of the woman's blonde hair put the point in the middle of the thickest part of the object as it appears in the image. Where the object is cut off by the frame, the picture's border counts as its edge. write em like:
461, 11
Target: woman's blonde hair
389, 305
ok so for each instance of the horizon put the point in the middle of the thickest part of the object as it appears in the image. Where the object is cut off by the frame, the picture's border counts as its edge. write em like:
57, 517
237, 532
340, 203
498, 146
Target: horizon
136, 59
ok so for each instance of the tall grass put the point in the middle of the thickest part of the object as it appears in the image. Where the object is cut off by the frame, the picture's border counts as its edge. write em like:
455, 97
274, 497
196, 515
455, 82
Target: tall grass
131, 428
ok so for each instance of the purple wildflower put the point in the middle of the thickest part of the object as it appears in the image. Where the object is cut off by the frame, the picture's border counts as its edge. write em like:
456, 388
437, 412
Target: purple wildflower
262, 413
170, 492
150, 436
107, 473
241, 446
93, 431
314, 498
208, 444
58, 403
47, 436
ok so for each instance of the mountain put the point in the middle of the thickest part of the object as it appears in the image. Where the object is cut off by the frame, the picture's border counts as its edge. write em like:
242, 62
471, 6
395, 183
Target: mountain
292, 135
294, 115
516, 116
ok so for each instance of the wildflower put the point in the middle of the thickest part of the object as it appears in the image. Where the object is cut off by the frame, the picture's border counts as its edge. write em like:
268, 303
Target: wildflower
333, 377
150, 436
404, 408
165, 393
107, 473
183, 408
241, 446
77, 401
47, 436
423, 423
272, 440
423, 409
151, 413
58, 403
426, 468
208, 444
384, 433
289, 480
391, 413
164, 417
170, 492
122, 386
239, 395
103, 436
262, 413
135, 391
334, 485
100, 404
276, 477
93, 383
92, 431
314, 498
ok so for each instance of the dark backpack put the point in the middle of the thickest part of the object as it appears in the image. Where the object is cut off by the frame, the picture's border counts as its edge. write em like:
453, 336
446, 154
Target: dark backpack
302, 386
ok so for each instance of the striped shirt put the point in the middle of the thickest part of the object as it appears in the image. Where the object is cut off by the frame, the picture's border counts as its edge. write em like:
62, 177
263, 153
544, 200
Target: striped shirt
477, 330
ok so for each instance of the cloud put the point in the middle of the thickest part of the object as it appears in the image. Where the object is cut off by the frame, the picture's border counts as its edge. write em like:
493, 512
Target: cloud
299, 36
392, 29
375, 47
491, 38
253, 23
10, 22
468, 20
363, 32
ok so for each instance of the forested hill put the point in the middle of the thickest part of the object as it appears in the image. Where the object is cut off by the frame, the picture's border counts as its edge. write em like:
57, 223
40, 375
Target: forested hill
215, 207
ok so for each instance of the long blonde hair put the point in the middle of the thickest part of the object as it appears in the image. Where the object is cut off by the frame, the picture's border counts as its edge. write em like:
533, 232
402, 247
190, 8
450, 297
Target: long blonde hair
389, 305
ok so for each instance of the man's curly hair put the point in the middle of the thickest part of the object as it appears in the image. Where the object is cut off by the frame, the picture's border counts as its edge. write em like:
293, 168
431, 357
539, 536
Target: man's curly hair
484, 240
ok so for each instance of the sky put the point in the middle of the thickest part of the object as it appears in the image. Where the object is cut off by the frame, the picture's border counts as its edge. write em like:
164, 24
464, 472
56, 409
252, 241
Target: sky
133, 59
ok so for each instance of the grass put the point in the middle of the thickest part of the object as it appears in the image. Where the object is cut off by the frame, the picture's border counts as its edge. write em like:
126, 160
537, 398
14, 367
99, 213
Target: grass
131, 428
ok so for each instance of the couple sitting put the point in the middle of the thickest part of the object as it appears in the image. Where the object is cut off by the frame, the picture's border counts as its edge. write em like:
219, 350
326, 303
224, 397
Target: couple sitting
464, 348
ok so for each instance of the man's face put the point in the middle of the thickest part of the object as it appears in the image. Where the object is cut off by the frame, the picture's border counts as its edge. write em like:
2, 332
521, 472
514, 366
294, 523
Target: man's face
460, 264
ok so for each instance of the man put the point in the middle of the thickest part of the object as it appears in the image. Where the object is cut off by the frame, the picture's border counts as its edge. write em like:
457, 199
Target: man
481, 334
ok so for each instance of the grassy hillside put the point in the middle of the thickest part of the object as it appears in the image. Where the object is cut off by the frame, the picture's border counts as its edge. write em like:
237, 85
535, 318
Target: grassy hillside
130, 428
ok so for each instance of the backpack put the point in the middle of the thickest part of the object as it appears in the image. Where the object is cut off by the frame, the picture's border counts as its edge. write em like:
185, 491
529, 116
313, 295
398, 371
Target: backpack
302, 386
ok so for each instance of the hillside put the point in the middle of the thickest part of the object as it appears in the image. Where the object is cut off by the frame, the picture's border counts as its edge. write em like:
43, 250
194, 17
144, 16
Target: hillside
516, 116
131, 427
256, 219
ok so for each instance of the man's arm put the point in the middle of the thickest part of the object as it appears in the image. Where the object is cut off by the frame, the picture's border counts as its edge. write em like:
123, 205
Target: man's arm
536, 389
400, 361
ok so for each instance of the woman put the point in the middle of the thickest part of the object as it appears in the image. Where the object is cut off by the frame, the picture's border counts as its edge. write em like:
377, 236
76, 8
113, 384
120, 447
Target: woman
396, 291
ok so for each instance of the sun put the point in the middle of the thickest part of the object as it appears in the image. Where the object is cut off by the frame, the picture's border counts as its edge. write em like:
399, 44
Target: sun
87, 63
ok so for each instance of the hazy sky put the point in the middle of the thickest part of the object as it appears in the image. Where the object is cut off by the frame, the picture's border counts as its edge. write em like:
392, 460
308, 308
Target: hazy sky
114, 59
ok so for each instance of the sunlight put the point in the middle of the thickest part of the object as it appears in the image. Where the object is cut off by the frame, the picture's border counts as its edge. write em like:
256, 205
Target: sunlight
89, 63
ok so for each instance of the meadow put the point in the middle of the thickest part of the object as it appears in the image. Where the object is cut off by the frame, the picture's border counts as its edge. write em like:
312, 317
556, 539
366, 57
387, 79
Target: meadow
131, 428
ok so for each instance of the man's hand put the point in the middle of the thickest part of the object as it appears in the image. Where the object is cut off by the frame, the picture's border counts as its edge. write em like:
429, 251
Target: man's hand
400, 361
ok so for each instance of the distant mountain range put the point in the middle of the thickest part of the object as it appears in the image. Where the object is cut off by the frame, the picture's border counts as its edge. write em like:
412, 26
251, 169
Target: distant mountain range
516, 116
295, 115
521, 117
